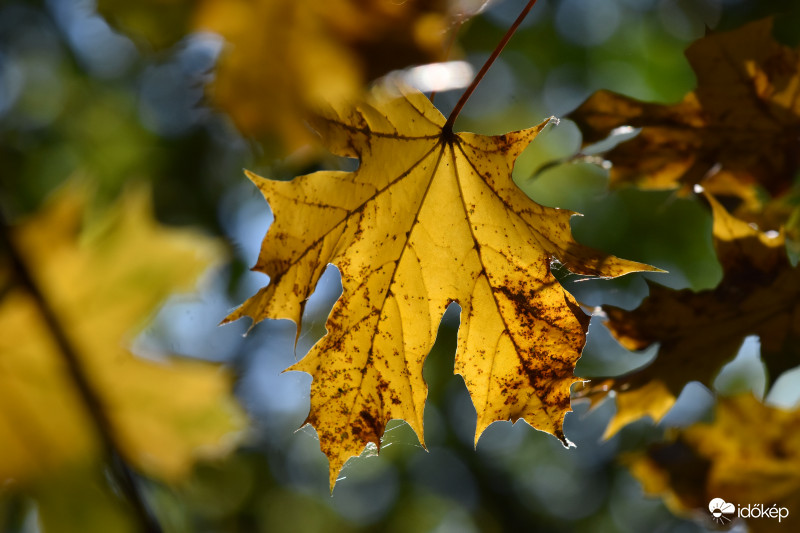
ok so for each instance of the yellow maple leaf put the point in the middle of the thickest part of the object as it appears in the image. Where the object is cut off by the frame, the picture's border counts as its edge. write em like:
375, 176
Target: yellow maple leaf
285, 59
749, 454
102, 281
736, 129
698, 332
430, 217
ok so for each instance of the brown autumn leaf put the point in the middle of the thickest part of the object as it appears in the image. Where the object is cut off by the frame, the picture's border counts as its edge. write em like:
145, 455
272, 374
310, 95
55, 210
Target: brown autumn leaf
102, 280
285, 59
778, 214
698, 332
430, 217
749, 455
739, 127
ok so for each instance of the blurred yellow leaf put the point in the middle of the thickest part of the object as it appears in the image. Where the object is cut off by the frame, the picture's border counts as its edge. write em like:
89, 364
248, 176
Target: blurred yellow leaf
738, 128
430, 217
700, 331
159, 23
102, 281
286, 59
749, 455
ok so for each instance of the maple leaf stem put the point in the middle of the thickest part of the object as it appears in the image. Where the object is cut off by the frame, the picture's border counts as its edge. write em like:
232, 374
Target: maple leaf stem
448, 126
121, 472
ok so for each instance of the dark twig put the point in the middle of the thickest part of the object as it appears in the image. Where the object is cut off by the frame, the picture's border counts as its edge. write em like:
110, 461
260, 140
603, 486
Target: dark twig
448, 126
122, 475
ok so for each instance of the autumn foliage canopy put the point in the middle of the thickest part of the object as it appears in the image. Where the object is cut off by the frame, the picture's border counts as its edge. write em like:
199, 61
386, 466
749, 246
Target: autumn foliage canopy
421, 218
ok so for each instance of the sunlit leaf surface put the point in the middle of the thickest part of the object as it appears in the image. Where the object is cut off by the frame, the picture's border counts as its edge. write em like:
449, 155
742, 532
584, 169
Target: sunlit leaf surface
430, 217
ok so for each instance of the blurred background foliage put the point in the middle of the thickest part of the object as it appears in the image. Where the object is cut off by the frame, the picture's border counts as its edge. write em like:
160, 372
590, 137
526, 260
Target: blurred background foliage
122, 97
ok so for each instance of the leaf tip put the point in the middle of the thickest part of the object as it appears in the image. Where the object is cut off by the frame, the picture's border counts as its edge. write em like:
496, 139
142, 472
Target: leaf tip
235, 315
255, 178
559, 434
480, 427
512, 144
656, 270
